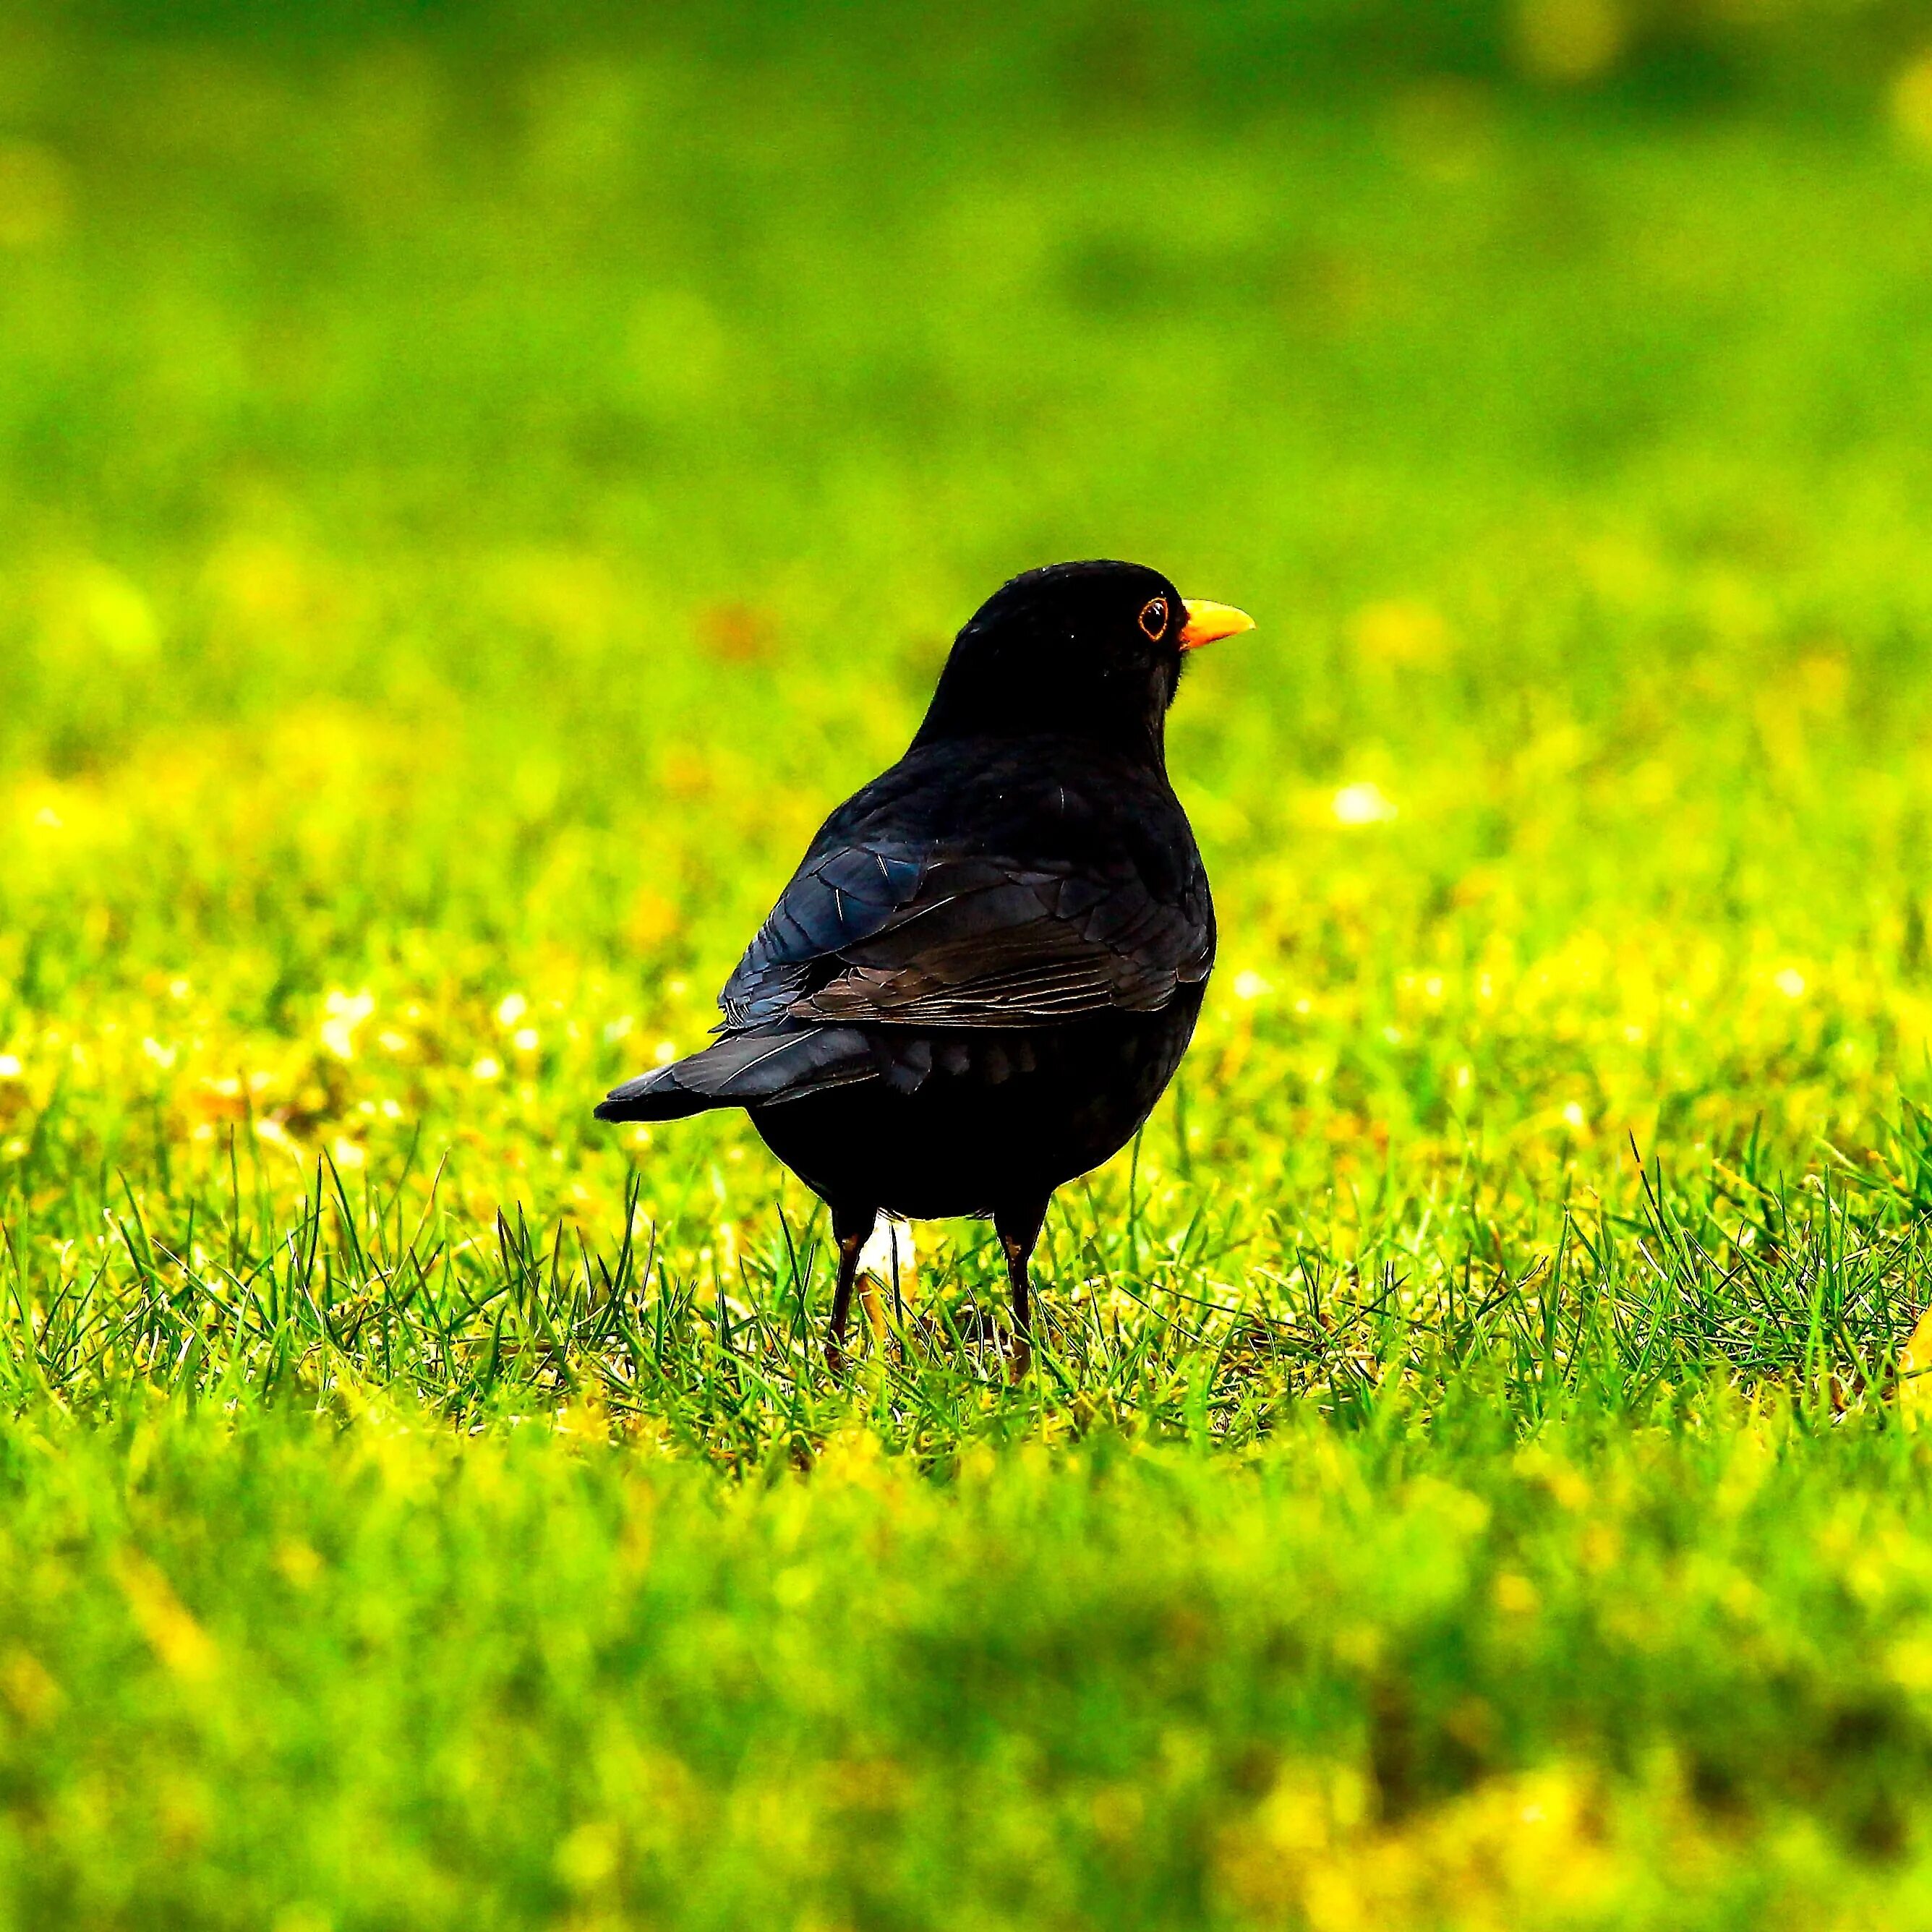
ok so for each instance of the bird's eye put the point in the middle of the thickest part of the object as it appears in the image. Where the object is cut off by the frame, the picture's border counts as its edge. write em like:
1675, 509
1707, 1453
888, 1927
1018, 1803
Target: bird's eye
1153, 617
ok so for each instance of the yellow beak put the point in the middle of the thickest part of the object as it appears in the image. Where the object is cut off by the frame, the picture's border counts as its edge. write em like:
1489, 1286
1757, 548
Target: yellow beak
1206, 621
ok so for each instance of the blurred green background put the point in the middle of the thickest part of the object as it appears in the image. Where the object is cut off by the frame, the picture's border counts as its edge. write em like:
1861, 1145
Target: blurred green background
478, 483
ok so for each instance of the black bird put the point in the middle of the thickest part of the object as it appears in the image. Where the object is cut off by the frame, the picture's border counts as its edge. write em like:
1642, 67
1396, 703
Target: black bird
989, 963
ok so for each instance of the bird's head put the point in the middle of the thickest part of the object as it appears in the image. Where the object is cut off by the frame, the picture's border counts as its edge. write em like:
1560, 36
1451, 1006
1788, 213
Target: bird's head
1090, 650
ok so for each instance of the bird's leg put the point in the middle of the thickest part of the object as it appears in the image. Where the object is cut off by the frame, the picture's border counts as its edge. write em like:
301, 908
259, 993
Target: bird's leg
851, 1228
889, 1244
1019, 1229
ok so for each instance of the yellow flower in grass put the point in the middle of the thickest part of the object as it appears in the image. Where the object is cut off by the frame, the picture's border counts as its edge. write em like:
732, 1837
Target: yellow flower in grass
1915, 1373
1363, 803
345, 1012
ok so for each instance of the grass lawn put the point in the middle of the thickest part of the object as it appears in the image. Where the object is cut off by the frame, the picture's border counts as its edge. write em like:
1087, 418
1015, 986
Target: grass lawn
475, 491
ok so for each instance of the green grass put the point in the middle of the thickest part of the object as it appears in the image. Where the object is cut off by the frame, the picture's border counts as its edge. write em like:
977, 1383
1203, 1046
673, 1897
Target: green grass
429, 1681
473, 492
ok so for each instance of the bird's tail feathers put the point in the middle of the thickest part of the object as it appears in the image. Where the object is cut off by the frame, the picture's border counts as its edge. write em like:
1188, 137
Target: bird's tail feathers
744, 1070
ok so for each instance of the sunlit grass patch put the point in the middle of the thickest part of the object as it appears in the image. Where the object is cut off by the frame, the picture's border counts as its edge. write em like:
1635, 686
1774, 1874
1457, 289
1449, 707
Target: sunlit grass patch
1623, 1677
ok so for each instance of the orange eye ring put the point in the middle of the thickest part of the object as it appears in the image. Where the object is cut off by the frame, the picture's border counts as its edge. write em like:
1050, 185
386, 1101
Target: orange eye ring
1153, 618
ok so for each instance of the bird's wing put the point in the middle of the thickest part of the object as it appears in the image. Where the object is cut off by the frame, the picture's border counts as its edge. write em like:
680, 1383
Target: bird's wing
988, 943
841, 895
880, 931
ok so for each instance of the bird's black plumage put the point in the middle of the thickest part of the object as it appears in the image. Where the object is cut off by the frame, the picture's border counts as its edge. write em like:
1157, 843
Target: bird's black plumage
989, 962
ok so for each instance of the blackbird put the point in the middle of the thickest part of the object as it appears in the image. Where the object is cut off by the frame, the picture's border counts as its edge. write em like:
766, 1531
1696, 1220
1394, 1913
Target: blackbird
989, 962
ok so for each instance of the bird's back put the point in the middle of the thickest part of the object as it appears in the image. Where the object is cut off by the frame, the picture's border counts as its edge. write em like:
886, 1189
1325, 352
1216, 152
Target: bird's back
986, 882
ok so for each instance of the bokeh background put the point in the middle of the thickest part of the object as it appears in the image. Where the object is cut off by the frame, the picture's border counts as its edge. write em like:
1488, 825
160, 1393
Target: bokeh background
478, 481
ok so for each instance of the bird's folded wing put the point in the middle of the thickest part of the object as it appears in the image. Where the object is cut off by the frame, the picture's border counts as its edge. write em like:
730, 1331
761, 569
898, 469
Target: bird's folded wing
872, 934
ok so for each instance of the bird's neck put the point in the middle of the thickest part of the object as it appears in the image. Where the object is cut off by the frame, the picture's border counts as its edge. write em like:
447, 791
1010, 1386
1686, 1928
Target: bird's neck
1121, 721
1145, 749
